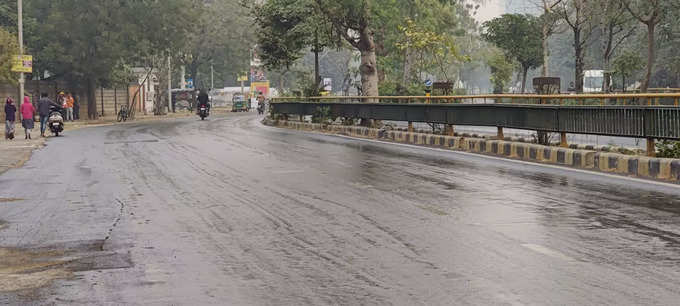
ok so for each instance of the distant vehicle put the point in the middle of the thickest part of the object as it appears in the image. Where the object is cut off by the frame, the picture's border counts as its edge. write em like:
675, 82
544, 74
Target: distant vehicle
593, 81
239, 104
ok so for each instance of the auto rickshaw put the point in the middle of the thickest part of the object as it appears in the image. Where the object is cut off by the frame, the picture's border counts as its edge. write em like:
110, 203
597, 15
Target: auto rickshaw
239, 104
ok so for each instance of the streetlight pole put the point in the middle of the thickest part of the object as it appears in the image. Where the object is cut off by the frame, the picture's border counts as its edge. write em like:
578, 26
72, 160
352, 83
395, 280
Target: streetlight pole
169, 83
20, 24
212, 77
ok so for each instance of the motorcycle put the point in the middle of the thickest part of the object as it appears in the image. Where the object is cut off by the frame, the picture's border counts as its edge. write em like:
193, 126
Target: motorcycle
55, 121
203, 112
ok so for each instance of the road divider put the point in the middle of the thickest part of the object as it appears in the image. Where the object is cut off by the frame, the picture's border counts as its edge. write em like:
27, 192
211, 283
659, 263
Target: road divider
662, 169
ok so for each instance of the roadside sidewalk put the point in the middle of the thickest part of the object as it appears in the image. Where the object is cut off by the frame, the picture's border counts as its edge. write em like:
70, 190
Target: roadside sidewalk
15, 153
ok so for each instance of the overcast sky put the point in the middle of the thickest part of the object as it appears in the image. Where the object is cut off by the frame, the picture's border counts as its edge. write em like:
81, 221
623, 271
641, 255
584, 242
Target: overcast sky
495, 8
490, 10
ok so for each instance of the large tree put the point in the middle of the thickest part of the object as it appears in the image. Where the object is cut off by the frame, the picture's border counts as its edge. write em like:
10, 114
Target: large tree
353, 20
616, 27
650, 13
579, 17
288, 28
8, 48
519, 36
548, 24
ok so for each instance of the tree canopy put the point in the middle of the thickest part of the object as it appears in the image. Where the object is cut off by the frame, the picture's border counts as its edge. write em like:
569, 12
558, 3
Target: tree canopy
519, 36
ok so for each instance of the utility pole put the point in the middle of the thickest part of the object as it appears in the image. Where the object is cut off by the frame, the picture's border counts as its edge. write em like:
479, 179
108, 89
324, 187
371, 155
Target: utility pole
169, 83
212, 77
183, 81
20, 24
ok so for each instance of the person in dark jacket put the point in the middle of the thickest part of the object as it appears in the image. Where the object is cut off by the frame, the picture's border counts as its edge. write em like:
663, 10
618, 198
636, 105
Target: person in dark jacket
10, 118
203, 100
44, 106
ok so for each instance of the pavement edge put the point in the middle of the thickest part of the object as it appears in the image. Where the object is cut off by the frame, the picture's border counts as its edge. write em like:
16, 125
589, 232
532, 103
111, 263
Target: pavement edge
662, 169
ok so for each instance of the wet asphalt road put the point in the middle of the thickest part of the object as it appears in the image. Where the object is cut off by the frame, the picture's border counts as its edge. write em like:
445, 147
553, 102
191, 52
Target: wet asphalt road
231, 212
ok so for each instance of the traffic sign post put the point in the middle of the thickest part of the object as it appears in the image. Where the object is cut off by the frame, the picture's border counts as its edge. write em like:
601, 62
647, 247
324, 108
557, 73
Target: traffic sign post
243, 78
428, 89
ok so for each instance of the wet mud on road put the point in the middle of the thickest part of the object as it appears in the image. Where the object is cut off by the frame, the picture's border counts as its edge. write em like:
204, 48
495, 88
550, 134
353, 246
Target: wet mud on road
228, 211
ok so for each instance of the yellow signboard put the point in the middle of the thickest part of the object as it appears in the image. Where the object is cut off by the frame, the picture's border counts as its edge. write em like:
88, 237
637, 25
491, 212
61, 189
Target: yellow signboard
243, 78
22, 63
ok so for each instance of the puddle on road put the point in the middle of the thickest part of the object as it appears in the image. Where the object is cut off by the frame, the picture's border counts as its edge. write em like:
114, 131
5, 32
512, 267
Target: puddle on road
23, 270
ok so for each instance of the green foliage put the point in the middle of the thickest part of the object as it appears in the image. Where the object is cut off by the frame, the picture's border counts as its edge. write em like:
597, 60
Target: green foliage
8, 15
668, 149
501, 71
8, 48
395, 88
627, 64
322, 115
519, 36
429, 47
286, 28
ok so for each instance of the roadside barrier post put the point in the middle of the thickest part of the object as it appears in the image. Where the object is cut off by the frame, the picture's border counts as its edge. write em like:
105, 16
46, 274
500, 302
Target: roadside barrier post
410, 127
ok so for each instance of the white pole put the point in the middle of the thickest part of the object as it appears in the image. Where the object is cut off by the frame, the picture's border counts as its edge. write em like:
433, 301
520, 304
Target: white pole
212, 78
20, 24
183, 80
169, 84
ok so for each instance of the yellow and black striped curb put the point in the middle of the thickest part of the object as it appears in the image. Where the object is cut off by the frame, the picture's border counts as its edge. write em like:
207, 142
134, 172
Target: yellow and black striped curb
663, 169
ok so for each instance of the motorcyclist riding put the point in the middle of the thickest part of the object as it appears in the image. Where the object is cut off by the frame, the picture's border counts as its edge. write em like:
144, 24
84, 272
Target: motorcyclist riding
203, 100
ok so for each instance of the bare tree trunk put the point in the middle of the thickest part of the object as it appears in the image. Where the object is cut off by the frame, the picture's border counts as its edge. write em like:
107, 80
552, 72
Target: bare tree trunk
546, 52
317, 72
368, 68
651, 56
579, 55
160, 105
91, 99
408, 62
525, 70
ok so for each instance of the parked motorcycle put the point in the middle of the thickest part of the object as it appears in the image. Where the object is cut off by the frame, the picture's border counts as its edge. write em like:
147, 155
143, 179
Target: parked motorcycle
55, 121
203, 112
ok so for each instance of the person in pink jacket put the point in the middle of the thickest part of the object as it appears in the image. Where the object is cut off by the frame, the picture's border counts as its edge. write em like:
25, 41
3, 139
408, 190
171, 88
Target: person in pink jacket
27, 111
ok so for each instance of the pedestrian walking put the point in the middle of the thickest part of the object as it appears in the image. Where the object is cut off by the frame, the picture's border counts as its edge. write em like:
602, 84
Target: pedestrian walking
69, 106
44, 111
27, 111
10, 118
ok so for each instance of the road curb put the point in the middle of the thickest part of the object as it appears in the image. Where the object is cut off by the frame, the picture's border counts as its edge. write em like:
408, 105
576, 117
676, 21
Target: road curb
662, 169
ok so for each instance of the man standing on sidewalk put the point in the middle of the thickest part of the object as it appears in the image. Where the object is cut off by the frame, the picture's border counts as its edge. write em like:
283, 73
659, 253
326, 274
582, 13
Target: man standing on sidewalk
68, 101
44, 112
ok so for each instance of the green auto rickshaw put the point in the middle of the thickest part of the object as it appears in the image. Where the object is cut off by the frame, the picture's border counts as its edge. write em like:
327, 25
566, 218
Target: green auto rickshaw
239, 104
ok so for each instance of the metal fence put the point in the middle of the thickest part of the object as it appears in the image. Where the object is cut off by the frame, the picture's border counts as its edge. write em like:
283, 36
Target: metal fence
626, 99
651, 122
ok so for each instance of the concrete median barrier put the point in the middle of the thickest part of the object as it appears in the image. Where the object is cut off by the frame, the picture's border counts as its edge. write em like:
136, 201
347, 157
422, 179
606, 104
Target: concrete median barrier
580, 157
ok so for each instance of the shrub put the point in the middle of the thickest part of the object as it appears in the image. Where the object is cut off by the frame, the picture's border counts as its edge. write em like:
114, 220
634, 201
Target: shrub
668, 149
